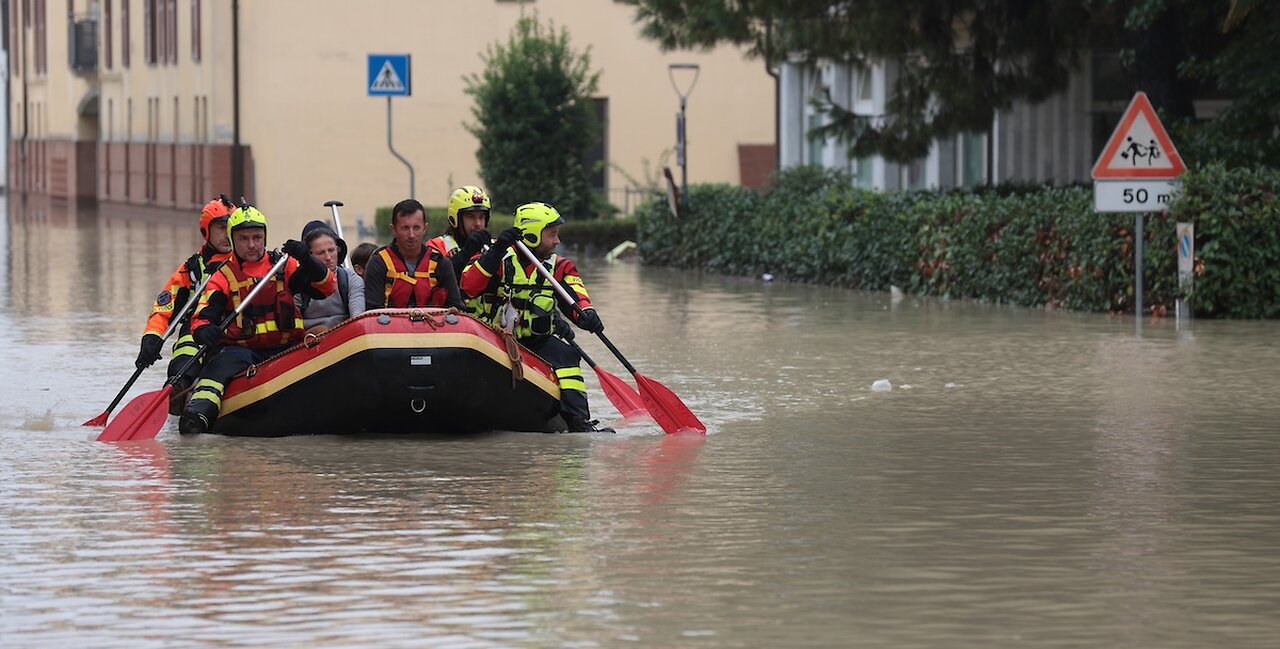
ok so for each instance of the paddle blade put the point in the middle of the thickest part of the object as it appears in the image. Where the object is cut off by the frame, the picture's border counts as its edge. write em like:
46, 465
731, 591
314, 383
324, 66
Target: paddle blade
100, 420
622, 396
666, 408
141, 418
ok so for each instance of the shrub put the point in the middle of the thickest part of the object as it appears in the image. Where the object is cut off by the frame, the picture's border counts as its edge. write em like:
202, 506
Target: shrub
1032, 247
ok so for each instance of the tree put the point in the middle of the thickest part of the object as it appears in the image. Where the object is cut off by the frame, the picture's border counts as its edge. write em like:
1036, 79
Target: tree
961, 60
535, 120
1242, 67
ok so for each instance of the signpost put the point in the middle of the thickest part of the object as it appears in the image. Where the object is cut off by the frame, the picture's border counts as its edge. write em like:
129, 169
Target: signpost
389, 77
1137, 172
1186, 265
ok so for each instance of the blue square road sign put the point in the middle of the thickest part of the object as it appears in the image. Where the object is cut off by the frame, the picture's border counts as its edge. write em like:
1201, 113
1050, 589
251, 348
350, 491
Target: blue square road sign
389, 75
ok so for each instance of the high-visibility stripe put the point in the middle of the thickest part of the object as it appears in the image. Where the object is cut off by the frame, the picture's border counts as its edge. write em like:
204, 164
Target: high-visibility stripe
208, 390
571, 379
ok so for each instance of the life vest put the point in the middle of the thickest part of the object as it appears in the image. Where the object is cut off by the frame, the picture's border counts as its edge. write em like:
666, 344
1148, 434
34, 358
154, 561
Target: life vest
445, 244
531, 298
271, 319
419, 289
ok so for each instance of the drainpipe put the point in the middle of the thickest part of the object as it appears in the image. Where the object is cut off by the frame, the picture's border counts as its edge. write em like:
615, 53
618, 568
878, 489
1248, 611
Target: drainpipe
777, 93
237, 163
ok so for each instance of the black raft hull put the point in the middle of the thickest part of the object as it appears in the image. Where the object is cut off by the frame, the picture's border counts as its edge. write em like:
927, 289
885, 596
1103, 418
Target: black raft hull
393, 372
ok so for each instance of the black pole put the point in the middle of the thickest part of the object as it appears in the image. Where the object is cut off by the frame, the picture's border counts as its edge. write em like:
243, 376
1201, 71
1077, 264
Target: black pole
684, 167
237, 163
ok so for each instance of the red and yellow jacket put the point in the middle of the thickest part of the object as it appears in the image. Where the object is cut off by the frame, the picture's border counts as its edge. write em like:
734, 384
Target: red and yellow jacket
517, 282
178, 290
272, 319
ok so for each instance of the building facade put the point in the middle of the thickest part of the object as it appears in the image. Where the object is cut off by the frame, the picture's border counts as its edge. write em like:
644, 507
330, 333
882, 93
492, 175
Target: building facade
169, 102
1055, 141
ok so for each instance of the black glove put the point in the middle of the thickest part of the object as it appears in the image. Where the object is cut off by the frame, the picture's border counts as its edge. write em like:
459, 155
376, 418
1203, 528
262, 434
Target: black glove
150, 353
508, 238
563, 329
590, 321
208, 336
296, 249
475, 243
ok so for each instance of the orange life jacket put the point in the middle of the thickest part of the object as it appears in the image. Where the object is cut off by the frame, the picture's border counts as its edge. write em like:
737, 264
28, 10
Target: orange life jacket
419, 289
271, 319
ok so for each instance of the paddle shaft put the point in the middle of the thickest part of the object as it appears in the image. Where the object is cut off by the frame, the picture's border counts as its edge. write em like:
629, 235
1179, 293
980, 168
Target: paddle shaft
573, 304
227, 321
667, 409
337, 226
174, 323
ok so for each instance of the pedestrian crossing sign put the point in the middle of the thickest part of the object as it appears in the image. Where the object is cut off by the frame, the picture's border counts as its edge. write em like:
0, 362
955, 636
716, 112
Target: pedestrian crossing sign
389, 75
1139, 148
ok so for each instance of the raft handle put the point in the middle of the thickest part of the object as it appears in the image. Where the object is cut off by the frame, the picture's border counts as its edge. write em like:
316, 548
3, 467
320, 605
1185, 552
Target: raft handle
415, 407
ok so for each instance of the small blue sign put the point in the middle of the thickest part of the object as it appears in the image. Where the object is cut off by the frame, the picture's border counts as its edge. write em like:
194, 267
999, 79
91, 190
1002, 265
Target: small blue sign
389, 75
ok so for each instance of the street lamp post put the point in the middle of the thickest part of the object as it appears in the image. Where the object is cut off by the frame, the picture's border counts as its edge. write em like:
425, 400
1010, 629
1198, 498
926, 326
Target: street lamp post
682, 144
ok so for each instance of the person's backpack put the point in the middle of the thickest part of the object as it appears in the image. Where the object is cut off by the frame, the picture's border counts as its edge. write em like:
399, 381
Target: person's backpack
344, 289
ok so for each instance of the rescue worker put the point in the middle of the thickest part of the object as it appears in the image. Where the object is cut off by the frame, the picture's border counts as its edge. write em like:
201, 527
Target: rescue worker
405, 272
467, 232
215, 249
266, 326
528, 304
465, 238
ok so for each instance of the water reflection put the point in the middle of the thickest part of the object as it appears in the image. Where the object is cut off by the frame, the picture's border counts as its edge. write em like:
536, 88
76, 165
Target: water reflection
1032, 479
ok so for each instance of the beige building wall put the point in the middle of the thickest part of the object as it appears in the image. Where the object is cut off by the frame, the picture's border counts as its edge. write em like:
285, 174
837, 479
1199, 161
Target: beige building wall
326, 138
313, 132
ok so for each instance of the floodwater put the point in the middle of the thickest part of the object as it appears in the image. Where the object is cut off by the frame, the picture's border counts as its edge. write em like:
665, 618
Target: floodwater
1033, 479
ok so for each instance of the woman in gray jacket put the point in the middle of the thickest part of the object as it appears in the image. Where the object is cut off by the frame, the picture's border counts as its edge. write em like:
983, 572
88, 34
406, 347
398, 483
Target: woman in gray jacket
319, 316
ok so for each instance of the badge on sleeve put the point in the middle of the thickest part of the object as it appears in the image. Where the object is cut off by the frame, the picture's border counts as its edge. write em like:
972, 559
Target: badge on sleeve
164, 298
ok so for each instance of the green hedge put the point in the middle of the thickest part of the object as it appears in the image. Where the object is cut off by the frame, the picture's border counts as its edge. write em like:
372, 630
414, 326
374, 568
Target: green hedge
1033, 247
594, 234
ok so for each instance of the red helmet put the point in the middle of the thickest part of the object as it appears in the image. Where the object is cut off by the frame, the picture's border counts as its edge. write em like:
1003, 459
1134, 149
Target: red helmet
218, 209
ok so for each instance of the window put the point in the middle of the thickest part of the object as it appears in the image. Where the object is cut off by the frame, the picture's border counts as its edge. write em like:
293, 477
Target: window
973, 165
148, 36
171, 26
106, 34
42, 52
195, 30
865, 173
817, 145
124, 33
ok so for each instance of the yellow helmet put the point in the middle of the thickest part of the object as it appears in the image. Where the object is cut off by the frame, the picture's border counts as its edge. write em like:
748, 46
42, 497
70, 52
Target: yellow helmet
468, 198
533, 218
246, 216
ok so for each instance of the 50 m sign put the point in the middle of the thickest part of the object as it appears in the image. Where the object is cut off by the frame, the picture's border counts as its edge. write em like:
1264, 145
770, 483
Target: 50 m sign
1133, 195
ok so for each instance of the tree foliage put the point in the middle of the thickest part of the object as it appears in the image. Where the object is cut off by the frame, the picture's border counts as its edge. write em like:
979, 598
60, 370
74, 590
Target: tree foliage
535, 120
960, 61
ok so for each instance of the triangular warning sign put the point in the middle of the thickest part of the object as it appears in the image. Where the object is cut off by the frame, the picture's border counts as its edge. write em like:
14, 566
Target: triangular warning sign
387, 79
1139, 147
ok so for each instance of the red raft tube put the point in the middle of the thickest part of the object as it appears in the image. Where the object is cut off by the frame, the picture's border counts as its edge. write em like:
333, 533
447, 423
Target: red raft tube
394, 371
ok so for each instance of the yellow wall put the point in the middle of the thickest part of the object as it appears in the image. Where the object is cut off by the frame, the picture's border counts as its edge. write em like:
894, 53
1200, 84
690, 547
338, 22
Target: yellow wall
316, 135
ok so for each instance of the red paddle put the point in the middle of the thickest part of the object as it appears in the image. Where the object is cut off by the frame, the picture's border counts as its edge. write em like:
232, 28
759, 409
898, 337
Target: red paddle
622, 396
143, 417
666, 408
174, 324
